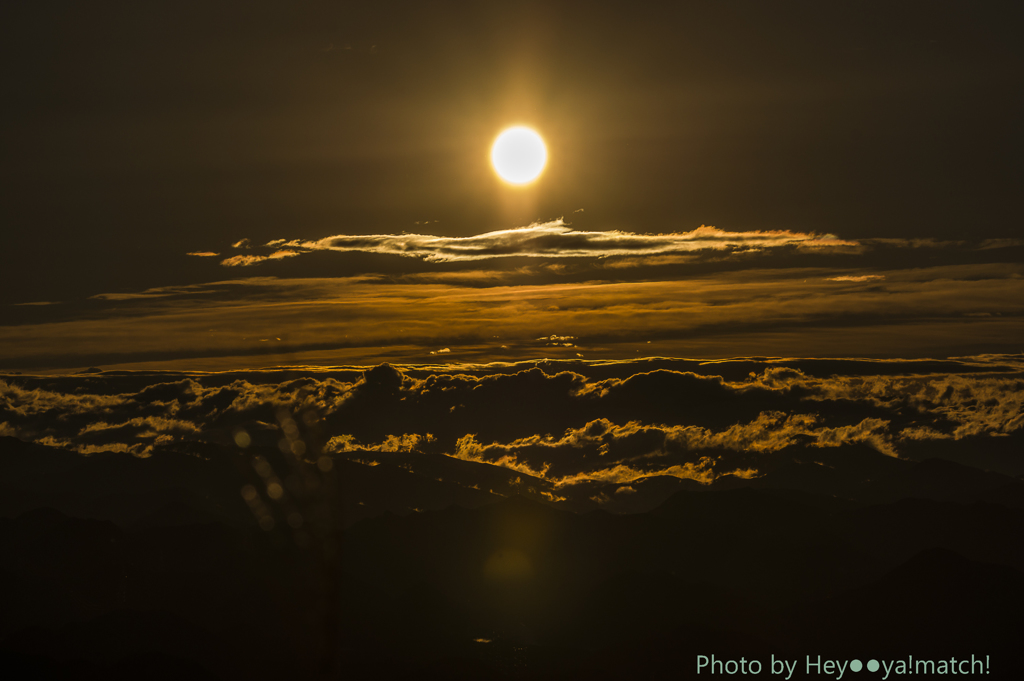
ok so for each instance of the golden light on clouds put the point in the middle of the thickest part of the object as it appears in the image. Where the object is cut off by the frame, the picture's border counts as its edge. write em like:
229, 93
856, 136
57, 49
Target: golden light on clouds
519, 155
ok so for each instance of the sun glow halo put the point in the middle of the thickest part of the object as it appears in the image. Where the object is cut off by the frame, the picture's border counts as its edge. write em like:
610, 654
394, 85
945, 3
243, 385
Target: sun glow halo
519, 155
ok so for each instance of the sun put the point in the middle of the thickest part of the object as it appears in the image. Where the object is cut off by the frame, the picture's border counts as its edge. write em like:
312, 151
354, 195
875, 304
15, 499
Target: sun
519, 155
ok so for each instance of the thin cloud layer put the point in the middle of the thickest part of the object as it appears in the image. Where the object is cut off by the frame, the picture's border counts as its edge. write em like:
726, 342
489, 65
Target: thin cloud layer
937, 311
858, 277
558, 240
244, 260
554, 239
508, 295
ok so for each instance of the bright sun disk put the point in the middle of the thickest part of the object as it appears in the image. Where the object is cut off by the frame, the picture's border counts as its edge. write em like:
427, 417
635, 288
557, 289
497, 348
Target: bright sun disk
519, 155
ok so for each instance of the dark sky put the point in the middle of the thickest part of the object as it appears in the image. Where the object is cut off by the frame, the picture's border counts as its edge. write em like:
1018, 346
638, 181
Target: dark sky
135, 133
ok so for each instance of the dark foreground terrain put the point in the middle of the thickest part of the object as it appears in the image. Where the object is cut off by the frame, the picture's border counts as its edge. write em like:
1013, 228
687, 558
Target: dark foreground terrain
117, 567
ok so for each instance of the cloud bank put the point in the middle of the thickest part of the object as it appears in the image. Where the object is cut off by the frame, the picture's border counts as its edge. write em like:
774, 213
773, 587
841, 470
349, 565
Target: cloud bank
589, 422
510, 295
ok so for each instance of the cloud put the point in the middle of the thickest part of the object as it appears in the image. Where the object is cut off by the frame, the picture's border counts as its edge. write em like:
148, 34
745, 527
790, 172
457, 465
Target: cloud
407, 442
858, 277
468, 449
617, 249
918, 243
203, 254
41, 403
155, 424
246, 260
923, 433
869, 431
563, 341
556, 239
558, 427
242, 260
604, 451
624, 474
205, 291
989, 244
368, 320
962, 405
